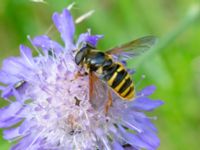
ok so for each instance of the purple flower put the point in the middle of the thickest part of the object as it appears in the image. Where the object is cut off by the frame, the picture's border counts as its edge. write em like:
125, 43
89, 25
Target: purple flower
52, 110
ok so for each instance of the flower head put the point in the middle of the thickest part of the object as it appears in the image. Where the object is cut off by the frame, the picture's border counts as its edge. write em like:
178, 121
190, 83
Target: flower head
52, 110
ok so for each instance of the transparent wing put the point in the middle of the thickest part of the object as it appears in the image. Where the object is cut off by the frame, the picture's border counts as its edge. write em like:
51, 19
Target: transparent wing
98, 92
133, 48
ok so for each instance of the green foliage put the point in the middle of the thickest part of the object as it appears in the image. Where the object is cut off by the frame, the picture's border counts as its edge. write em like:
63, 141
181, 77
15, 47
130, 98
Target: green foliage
173, 66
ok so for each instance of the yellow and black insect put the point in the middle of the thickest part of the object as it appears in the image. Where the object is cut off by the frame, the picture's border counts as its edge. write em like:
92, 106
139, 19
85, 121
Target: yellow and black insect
107, 67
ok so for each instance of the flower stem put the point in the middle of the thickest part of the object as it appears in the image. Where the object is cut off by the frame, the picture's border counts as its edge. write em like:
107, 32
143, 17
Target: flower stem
192, 16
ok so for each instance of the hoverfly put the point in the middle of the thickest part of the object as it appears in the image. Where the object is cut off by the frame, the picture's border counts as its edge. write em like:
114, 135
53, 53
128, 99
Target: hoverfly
105, 66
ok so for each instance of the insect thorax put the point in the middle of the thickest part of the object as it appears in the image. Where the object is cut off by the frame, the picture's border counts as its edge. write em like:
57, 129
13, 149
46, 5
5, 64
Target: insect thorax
98, 62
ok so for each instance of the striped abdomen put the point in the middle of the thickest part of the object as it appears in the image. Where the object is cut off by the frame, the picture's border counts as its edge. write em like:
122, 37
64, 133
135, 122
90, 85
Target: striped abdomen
119, 80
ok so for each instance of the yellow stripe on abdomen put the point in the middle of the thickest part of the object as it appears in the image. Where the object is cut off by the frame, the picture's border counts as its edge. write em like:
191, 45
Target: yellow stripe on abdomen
111, 80
125, 89
125, 92
121, 84
120, 81
131, 95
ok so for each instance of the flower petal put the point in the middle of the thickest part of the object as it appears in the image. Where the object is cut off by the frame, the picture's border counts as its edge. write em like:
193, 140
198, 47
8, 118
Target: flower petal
26, 143
91, 39
146, 122
137, 121
26, 54
145, 103
7, 92
47, 44
9, 122
26, 126
10, 111
133, 139
147, 91
11, 134
7, 78
150, 138
117, 146
65, 25
16, 67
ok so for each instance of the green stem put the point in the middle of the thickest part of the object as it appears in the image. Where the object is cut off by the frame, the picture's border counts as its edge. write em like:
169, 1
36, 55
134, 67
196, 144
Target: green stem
191, 17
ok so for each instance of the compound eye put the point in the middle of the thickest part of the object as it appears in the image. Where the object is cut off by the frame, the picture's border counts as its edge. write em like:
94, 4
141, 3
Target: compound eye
79, 57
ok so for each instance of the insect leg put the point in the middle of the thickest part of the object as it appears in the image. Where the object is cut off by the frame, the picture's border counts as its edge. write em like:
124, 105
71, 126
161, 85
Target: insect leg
109, 102
78, 74
91, 83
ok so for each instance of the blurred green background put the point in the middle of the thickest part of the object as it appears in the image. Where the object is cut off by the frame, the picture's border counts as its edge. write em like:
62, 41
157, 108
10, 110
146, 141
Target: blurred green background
173, 66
